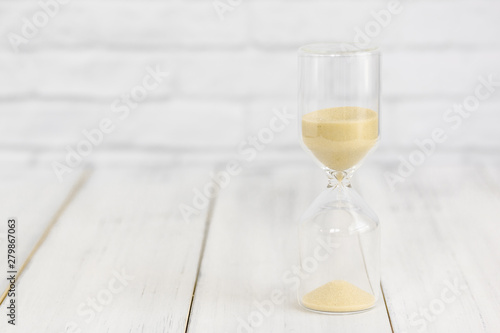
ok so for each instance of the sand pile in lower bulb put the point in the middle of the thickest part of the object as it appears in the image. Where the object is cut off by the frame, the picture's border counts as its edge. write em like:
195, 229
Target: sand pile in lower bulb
338, 296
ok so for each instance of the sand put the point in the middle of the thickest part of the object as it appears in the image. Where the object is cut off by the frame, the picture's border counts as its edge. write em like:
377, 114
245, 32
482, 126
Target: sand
340, 137
338, 296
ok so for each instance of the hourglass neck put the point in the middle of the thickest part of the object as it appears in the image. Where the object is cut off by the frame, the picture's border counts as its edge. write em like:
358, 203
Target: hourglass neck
336, 178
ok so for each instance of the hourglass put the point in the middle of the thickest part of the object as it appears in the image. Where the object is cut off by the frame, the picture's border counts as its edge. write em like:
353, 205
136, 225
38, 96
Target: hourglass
339, 124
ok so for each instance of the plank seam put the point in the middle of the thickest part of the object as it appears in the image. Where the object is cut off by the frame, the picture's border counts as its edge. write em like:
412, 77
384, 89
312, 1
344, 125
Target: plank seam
202, 253
386, 307
69, 198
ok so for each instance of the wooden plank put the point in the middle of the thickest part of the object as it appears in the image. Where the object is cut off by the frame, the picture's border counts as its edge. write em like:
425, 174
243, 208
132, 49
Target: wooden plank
251, 244
34, 197
123, 245
440, 237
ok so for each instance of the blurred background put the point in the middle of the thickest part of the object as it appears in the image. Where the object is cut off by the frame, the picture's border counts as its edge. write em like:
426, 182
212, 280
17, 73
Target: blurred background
181, 88
66, 65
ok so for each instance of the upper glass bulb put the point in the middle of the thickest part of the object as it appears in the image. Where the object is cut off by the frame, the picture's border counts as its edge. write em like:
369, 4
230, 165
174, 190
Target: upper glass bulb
339, 103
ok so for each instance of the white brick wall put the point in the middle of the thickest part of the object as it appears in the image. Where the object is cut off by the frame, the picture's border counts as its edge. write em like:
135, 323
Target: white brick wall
226, 76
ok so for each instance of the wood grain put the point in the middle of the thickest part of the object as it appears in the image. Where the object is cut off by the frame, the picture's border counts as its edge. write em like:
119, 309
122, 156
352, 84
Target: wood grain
440, 251
123, 244
251, 245
441, 255
35, 198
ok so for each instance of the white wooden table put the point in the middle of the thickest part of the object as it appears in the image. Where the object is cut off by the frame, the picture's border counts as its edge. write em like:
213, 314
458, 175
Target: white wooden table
119, 257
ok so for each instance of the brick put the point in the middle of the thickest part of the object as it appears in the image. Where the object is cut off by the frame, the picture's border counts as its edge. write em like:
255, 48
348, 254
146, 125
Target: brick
274, 74
227, 74
171, 125
296, 23
259, 114
132, 24
182, 124
75, 73
444, 24
435, 73
421, 23
238, 74
404, 121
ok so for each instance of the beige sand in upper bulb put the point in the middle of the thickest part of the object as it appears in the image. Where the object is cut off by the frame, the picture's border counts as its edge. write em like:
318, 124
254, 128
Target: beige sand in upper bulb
340, 137
338, 296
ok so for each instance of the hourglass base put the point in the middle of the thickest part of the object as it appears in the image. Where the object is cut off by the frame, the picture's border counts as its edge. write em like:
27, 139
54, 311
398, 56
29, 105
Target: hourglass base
338, 297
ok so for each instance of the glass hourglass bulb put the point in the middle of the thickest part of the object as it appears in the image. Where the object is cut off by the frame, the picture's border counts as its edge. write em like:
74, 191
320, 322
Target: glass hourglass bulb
339, 125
